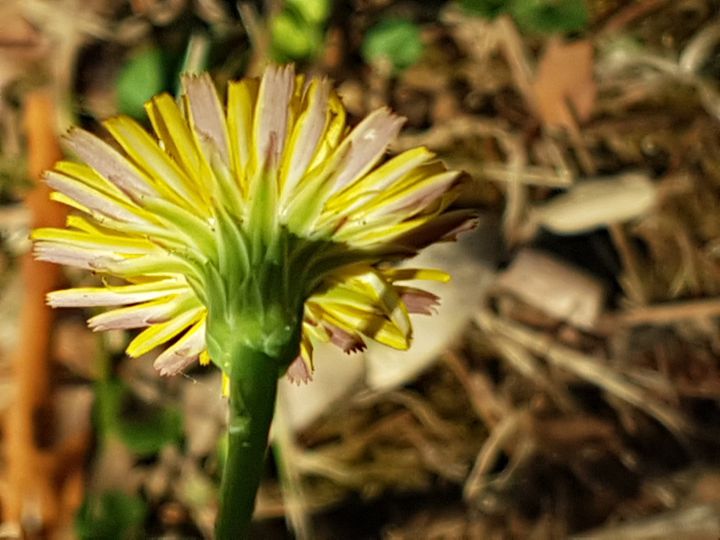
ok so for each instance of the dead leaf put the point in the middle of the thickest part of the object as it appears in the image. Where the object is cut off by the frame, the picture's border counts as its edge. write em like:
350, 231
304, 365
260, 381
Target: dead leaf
564, 86
597, 202
555, 287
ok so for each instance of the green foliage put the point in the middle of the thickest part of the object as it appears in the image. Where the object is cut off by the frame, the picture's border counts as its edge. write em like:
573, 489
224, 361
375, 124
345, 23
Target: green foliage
549, 16
144, 434
485, 8
398, 40
314, 11
142, 76
13, 175
544, 16
113, 515
293, 37
297, 32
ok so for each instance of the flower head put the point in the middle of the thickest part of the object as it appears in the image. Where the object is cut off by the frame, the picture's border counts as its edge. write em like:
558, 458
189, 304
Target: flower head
264, 220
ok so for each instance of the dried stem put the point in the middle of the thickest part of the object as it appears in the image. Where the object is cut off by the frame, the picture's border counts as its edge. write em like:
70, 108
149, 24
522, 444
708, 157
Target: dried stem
31, 498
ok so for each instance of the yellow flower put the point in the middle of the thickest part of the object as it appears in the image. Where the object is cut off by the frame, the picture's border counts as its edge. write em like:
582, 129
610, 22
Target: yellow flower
248, 221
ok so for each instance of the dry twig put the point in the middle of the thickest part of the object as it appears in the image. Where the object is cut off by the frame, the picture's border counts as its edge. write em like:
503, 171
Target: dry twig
32, 499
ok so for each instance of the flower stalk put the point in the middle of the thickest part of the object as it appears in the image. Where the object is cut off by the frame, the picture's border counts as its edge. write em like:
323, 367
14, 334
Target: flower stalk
252, 391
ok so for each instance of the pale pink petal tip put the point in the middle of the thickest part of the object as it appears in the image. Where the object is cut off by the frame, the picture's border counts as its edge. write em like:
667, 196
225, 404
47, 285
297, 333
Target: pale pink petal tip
345, 341
298, 372
444, 228
368, 142
183, 353
107, 161
276, 90
173, 364
207, 112
421, 302
125, 319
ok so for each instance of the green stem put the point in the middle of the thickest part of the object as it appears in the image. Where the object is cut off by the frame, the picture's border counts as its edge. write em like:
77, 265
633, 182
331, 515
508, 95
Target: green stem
253, 386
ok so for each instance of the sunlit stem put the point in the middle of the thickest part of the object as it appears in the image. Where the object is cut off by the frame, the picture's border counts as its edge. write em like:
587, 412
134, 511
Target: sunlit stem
253, 387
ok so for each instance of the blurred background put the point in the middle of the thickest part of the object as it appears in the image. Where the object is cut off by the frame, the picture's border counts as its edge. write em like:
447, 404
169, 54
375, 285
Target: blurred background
569, 386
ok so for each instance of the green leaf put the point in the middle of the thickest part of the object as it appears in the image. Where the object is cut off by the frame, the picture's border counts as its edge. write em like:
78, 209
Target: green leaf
549, 16
144, 430
485, 8
313, 11
147, 436
143, 76
113, 515
293, 37
398, 40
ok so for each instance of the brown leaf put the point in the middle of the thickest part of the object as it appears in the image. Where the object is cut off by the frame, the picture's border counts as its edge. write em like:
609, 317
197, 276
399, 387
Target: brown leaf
564, 87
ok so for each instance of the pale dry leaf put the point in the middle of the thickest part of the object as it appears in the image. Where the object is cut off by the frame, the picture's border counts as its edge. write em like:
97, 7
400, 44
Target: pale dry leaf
555, 287
336, 374
596, 203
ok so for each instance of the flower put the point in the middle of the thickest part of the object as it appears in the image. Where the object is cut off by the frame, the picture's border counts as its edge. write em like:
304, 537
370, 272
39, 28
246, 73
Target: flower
265, 221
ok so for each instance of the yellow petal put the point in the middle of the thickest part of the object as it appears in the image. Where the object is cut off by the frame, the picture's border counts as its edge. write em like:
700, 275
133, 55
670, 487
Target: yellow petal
240, 111
378, 180
91, 178
109, 163
142, 315
305, 137
410, 274
369, 324
158, 334
336, 130
78, 193
184, 352
120, 244
365, 145
205, 114
147, 154
270, 122
117, 295
172, 129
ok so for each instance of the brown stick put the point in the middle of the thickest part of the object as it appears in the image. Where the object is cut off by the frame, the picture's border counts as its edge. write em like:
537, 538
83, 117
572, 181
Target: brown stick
630, 13
32, 500
666, 313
